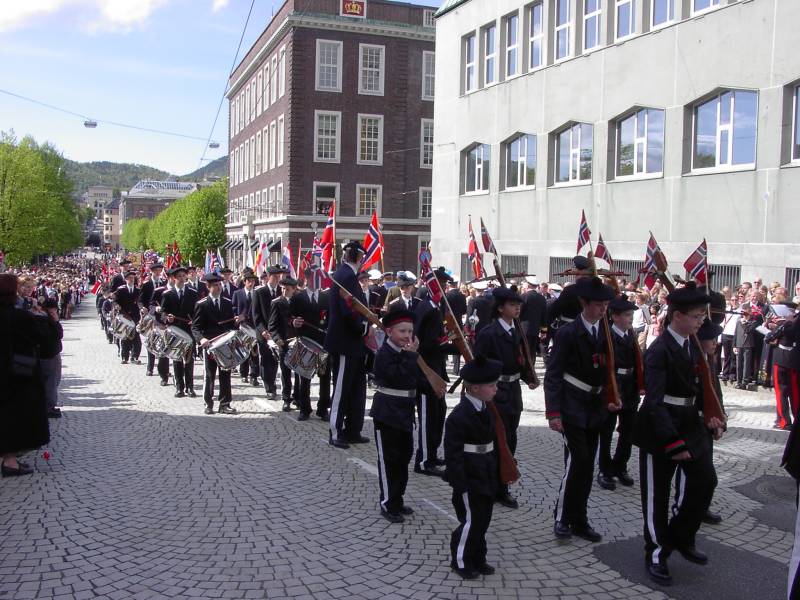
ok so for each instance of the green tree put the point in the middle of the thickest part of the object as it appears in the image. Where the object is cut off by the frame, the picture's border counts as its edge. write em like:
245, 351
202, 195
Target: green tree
134, 234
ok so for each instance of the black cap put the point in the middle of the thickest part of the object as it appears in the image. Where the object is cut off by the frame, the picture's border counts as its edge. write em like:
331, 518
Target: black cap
592, 289
354, 244
124, 262
400, 315
441, 274
176, 270
251, 275
581, 263
129, 273
225, 270
709, 330
688, 295
212, 278
481, 370
155, 266
362, 275
403, 280
502, 295
274, 270
621, 304
289, 281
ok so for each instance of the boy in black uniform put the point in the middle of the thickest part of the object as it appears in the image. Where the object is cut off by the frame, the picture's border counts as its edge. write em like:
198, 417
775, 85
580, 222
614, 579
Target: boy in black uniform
178, 306
471, 459
626, 352
575, 405
396, 377
281, 329
669, 430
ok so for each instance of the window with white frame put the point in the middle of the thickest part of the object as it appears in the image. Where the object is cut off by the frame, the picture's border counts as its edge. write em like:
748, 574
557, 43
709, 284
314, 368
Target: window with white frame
281, 139
271, 203
265, 152
427, 18
329, 66
257, 206
235, 178
574, 154
246, 160
324, 195
370, 140
699, 6
640, 143
469, 63
426, 144
273, 79
563, 29
489, 54
535, 36
253, 99
368, 199
231, 120
231, 168
477, 166
520, 161
370, 69
511, 24
264, 202
242, 110
265, 89
725, 131
236, 117
282, 73
796, 125
247, 104
259, 87
428, 75
258, 153
425, 202
279, 200
327, 130
592, 11
273, 143
662, 12
626, 18
252, 164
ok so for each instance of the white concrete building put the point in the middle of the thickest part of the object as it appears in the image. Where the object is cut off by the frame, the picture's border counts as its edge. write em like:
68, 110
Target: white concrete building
676, 116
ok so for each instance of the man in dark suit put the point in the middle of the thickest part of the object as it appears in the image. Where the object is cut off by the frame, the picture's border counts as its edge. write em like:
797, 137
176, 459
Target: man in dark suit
307, 306
119, 279
262, 301
127, 297
162, 364
146, 302
407, 299
228, 286
243, 310
534, 313
213, 316
194, 282
178, 306
281, 329
458, 304
345, 343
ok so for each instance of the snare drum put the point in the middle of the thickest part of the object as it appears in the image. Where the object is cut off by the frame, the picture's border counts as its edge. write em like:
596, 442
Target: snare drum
122, 327
146, 324
155, 343
248, 336
229, 351
305, 357
177, 343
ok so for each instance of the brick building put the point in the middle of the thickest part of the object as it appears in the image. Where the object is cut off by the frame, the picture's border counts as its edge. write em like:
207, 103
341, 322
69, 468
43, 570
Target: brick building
329, 107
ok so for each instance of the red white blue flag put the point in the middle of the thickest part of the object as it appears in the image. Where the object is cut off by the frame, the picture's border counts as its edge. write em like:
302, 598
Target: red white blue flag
488, 244
649, 268
429, 277
697, 264
474, 253
286, 260
583, 233
601, 251
373, 244
328, 240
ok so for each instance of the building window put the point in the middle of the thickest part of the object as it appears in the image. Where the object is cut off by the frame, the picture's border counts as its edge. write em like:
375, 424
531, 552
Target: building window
427, 18
262, 209
246, 160
370, 72
279, 200
626, 18
236, 168
246, 105
257, 207
796, 127
490, 54
253, 99
469, 63
232, 120
574, 154
259, 99
370, 140
252, 163
725, 131
520, 158
592, 11
265, 153
640, 143
282, 73
258, 153
271, 212
329, 60
535, 36
327, 131
428, 75
273, 79
273, 143
324, 195
477, 165
700, 6
562, 30
662, 11
265, 88
425, 202
426, 145
512, 38
369, 199
241, 111
281, 139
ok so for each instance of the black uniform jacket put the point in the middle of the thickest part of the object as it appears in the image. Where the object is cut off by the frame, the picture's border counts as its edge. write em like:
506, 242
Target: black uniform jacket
575, 353
566, 306
396, 369
458, 302
625, 360
469, 471
789, 339
280, 321
346, 326
242, 305
400, 304
128, 303
209, 322
183, 309
495, 342
663, 428
481, 306
429, 328
158, 294
262, 302
228, 288
303, 305
534, 313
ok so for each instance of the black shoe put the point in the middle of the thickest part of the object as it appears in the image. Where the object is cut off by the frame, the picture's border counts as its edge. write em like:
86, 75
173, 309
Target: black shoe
22, 469
149, 373
712, 518
507, 500
659, 573
692, 554
209, 410
245, 380
325, 417
606, 482
227, 410
164, 383
136, 361
625, 479
302, 416
562, 530
359, 439
287, 406
392, 517
466, 573
486, 569
587, 533
752, 387
339, 444
739, 386
53, 413
432, 471
124, 362
439, 462
191, 393
406, 510
254, 382
179, 394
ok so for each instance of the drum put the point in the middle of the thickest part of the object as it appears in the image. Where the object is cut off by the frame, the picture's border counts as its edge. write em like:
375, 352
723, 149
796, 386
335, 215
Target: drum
229, 350
248, 336
305, 357
122, 327
177, 343
146, 324
155, 342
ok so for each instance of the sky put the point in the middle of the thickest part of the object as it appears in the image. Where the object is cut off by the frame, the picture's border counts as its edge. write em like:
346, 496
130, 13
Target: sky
157, 64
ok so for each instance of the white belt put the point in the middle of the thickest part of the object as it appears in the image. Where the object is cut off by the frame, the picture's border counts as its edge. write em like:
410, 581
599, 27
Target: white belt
509, 378
398, 393
581, 385
624, 371
566, 319
479, 448
678, 400
782, 347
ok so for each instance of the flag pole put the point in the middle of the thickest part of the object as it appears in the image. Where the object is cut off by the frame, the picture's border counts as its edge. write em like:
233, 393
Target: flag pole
333, 243
299, 253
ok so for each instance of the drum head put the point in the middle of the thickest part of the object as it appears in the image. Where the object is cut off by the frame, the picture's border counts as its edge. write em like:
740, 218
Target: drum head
180, 333
250, 331
224, 340
311, 345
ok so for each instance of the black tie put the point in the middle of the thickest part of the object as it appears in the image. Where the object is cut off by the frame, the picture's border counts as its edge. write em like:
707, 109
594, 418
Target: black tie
216, 304
594, 333
686, 346
180, 295
248, 296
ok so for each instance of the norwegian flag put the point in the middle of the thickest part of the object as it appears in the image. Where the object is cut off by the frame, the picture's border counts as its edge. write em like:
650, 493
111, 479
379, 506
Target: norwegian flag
697, 264
373, 243
318, 278
583, 232
328, 240
169, 259
104, 272
601, 251
488, 244
429, 278
177, 259
475, 254
649, 268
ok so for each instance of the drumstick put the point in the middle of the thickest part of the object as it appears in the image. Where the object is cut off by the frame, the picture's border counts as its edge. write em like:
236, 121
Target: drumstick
177, 318
226, 321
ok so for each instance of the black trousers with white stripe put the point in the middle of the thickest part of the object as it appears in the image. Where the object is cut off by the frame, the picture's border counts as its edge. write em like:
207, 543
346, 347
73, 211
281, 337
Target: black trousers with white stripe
580, 449
431, 412
395, 448
661, 534
349, 396
468, 541
680, 479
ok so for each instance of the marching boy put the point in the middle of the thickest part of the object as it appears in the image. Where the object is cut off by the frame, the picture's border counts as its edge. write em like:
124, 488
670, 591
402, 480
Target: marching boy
396, 377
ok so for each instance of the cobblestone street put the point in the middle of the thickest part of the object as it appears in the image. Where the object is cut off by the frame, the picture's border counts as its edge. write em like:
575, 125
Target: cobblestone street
145, 497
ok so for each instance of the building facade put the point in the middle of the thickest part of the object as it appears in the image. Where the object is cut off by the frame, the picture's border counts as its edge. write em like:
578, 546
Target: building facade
678, 117
96, 197
148, 198
111, 228
334, 104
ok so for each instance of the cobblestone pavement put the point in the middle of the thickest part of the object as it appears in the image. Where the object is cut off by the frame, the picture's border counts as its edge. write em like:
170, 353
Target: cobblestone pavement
145, 497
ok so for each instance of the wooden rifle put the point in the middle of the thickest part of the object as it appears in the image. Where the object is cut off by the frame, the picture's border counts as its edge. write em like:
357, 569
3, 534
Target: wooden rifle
438, 384
712, 407
612, 388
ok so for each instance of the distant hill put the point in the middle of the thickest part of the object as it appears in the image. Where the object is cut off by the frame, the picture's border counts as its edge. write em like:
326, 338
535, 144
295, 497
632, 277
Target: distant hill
125, 175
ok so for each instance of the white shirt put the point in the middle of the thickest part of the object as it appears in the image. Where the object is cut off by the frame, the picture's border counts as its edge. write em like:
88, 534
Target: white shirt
619, 331
640, 317
393, 346
592, 328
509, 327
678, 337
475, 402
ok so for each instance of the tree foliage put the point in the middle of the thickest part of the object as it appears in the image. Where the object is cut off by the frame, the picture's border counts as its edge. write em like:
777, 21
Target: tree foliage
134, 234
37, 215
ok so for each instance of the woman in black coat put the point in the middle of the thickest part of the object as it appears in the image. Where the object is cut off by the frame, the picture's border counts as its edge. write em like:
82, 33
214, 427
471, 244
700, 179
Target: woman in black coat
23, 411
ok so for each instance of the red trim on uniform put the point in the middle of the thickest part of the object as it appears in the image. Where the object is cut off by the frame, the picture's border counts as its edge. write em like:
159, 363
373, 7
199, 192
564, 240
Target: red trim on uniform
553, 415
781, 420
674, 445
795, 399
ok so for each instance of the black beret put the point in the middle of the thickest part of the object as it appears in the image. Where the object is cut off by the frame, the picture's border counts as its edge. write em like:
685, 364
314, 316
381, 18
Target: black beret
581, 263
621, 304
212, 278
688, 295
400, 315
404, 280
289, 281
251, 275
129, 273
502, 295
591, 288
709, 330
225, 270
481, 370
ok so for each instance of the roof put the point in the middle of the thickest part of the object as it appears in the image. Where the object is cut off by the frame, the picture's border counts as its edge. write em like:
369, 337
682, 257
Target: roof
113, 205
449, 5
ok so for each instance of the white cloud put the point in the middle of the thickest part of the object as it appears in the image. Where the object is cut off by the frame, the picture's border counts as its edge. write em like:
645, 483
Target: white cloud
124, 14
17, 13
219, 5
